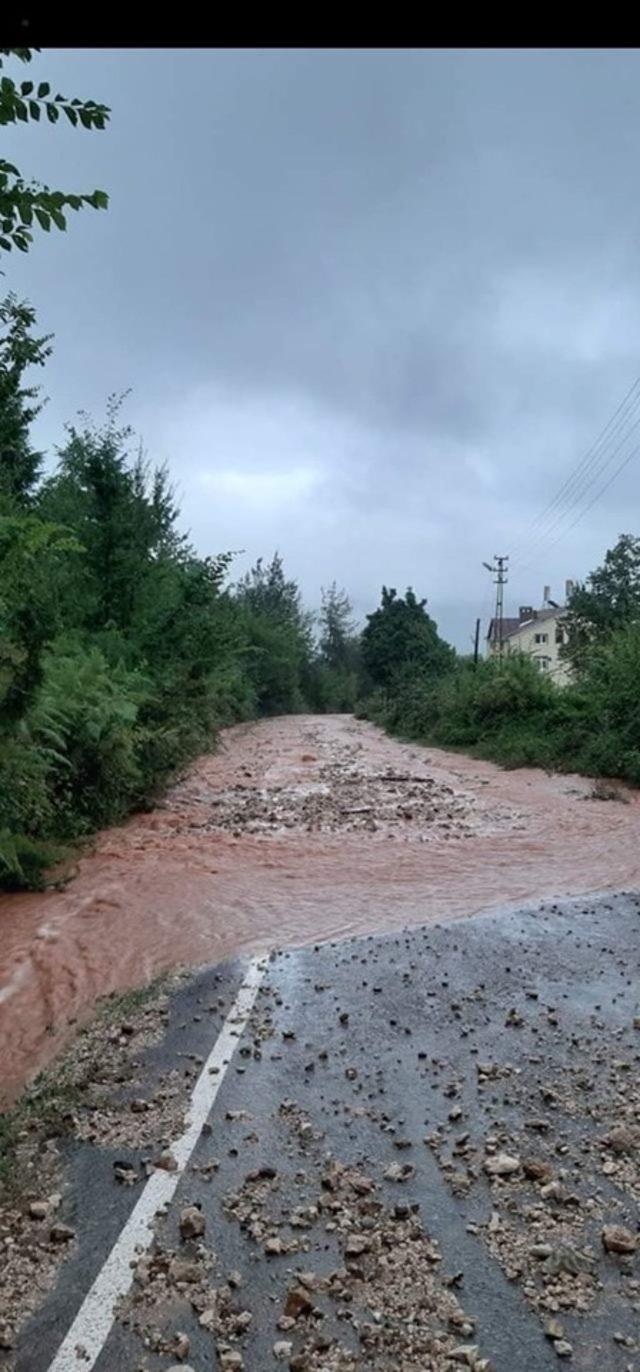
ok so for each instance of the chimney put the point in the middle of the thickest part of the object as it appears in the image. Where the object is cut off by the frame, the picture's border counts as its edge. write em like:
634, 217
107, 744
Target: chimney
545, 595
568, 587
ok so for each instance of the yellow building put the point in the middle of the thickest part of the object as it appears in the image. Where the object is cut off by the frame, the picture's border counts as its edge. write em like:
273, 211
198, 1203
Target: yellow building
538, 633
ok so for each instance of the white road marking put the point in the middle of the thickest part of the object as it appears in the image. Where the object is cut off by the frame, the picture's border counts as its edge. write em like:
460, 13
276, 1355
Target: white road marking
93, 1323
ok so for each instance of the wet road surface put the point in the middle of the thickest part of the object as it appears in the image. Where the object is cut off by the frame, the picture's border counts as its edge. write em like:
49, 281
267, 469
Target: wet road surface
299, 828
416, 1148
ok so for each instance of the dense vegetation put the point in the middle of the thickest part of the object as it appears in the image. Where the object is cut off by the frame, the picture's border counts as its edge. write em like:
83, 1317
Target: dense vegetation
506, 710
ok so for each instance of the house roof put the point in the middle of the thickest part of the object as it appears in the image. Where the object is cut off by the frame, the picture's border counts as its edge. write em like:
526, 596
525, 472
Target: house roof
512, 625
509, 626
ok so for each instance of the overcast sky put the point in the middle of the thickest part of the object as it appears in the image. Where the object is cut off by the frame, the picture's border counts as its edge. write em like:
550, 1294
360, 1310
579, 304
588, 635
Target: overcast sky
373, 306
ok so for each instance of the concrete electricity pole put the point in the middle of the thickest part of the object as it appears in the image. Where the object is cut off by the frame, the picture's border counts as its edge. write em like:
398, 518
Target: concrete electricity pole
498, 569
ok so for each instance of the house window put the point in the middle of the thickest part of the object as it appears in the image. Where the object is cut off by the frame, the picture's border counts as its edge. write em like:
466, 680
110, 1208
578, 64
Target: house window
543, 663
560, 635
542, 638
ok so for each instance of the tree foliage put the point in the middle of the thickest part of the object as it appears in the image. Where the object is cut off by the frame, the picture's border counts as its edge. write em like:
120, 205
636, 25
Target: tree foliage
400, 638
608, 600
19, 404
25, 204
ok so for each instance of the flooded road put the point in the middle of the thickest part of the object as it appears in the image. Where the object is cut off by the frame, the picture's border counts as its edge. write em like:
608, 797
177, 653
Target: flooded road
299, 829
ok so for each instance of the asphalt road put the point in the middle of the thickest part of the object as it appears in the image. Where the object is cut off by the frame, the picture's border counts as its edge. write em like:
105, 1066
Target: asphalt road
428, 1053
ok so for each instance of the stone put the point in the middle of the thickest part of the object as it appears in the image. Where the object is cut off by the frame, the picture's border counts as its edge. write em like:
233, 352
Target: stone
38, 1210
180, 1269
617, 1239
191, 1222
467, 1353
298, 1303
622, 1139
356, 1245
553, 1329
181, 1346
399, 1171
563, 1348
61, 1233
282, 1350
274, 1248
536, 1169
502, 1165
231, 1359
166, 1162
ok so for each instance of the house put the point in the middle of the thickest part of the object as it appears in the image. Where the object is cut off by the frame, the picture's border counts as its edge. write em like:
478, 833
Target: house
538, 633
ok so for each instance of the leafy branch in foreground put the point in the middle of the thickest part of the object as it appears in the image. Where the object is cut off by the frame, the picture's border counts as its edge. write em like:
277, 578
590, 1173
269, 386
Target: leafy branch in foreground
22, 202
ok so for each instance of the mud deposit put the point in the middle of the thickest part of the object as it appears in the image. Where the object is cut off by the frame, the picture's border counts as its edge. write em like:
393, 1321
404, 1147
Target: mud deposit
299, 829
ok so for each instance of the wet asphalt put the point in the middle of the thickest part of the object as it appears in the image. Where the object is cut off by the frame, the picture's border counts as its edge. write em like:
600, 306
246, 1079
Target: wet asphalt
424, 1009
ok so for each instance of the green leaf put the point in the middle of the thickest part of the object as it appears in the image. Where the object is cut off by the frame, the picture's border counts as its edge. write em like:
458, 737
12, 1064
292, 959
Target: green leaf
22, 243
21, 111
58, 219
4, 243
43, 219
99, 200
43, 89
53, 113
26, 87
34, 110
71, 114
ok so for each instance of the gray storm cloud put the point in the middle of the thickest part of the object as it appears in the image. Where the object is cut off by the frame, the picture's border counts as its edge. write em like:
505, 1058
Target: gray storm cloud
372, 306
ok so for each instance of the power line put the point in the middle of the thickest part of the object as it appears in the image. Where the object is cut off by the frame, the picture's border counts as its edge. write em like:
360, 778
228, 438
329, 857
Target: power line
586, 460
562, 515
634, 452
594, 463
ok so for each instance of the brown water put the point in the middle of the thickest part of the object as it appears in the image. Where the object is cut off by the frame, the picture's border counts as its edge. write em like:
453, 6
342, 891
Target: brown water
299, 828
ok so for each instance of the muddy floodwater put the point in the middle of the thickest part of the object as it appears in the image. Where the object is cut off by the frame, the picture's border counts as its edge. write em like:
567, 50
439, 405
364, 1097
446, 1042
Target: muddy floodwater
298, 829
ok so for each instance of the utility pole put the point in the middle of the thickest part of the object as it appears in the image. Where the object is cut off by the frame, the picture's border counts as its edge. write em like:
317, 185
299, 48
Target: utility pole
498, 569
476, 644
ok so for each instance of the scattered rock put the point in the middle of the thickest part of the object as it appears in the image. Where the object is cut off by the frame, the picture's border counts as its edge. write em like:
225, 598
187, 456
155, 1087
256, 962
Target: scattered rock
298, 1303
38, 1210
181, 1346
502, 1165
192, 1223
399, 1171
617, 1239
61, 1233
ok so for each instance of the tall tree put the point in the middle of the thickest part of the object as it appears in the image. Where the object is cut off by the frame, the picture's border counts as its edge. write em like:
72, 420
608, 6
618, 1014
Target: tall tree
19, 404
337, 629
400, 635
24, 201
